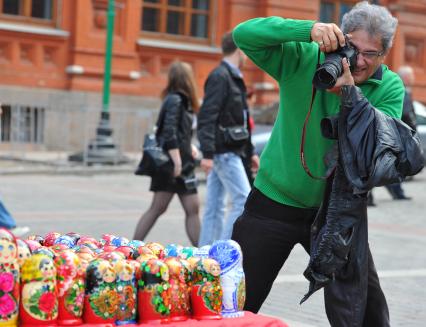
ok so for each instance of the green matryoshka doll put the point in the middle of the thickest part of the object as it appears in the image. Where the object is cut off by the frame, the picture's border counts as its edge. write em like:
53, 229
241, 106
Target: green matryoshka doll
206, 291
153, 292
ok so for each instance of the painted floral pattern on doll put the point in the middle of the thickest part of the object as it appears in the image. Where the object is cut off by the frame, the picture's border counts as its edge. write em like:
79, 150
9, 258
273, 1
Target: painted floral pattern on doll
126, 289
154, 298
101, 289
9, 279
179, 289
39, 295
70, 285
206, 284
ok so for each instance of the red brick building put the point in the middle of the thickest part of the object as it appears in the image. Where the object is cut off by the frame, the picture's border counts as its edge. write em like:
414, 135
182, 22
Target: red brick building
52, 58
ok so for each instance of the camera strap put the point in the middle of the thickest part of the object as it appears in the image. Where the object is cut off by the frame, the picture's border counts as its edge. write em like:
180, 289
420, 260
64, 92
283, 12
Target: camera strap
302, 143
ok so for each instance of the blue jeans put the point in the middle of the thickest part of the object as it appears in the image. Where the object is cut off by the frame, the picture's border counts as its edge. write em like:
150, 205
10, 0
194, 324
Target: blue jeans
227, 176
6, 219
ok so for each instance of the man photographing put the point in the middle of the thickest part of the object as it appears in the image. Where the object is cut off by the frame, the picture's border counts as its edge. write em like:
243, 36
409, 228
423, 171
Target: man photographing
281, 208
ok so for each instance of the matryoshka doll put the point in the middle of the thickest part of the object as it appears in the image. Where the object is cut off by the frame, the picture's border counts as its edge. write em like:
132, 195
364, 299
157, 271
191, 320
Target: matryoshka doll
206, 292
179, 294
126, 289
228, 254
50, 238
157, 249
24, 251
9, 279
153, 292
101, 298
70, 284
39, 302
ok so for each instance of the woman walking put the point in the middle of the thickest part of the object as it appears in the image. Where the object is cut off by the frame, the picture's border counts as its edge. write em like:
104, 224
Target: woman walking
174, 132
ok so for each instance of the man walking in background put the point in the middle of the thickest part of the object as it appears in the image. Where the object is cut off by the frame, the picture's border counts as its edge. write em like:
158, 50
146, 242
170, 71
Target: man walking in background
224, 133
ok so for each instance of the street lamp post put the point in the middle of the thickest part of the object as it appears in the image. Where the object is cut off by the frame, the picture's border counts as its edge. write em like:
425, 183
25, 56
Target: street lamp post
102, 149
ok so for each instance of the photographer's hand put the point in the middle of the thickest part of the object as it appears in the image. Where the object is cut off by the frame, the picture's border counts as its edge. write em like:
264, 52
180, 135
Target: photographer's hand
328, 36
345, 79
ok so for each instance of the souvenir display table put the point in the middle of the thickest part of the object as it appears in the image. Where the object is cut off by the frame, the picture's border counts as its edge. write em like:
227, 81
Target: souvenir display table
75, 280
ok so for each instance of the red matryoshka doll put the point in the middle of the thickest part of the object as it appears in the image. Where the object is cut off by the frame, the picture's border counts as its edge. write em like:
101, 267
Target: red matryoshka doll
70, 284
50, 238
179, 295
126, 289
128, 251
157, 249
153, 292
24, 251
9, 279
206, 292
101, 298
39, 303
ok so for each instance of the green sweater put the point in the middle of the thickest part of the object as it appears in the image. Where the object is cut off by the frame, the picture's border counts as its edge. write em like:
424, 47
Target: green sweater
283, 48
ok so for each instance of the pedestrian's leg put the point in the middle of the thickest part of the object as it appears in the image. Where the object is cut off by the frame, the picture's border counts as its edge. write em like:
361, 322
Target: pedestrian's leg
6, 219
231, 173
214, 210
191, 205
159, 205
376, 312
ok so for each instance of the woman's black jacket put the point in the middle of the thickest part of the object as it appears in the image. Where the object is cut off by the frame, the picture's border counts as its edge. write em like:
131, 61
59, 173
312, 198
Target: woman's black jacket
174, 128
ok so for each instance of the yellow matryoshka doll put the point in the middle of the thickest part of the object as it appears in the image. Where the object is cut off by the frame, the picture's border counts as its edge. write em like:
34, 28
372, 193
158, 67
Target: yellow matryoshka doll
9, 279
39, 302
206, 291
101, 298
70, 283
126, 289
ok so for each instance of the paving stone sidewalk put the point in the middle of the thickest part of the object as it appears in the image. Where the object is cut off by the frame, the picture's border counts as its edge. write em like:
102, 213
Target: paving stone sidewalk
108, 202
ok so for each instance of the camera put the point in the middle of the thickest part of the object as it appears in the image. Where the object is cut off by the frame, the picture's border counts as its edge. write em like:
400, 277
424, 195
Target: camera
326, 75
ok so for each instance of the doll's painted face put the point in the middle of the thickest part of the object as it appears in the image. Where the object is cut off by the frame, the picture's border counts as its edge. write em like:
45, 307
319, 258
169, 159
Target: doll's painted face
47, 269
212, 267
23, 252
125, 273
7, 251
109, 275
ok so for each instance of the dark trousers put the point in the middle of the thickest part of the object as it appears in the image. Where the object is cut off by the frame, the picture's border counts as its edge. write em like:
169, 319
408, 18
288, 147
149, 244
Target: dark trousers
267, 231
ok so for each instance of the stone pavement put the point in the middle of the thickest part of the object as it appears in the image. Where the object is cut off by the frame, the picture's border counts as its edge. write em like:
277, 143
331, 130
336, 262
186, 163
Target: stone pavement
112, 202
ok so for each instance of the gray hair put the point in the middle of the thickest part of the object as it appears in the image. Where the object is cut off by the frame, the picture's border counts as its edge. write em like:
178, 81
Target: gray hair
405, 70
375, 20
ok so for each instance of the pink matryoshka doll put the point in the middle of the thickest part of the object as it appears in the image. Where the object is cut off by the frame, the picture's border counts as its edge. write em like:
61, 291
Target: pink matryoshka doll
206, 291
153, 292
70, 284
101, 298
39, 303
179, 294
126, 289
9, 279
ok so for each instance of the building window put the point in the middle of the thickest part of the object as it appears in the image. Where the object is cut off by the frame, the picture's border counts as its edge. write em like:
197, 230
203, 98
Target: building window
22, 124
332, 11
177, 18
35, 11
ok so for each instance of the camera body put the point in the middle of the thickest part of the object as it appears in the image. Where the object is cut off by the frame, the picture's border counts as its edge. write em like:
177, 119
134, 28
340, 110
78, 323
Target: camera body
331, 69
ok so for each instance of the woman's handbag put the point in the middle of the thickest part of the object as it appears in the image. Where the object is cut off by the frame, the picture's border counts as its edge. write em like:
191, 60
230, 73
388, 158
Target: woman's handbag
154, 159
